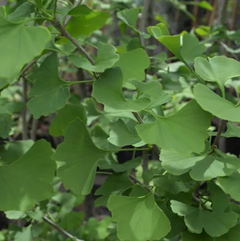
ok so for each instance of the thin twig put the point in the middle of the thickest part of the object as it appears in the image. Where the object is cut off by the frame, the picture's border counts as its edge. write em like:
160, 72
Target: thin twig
134, 179
33, 131
54, 225
220, 131
144, 20
67, 35
68, 18
28, 67
24, 111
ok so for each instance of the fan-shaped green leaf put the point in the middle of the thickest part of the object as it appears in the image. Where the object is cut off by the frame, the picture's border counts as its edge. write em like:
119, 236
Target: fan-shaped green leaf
184, 132
50, 91
108, 91
216, 105
79, 157
215, 224
106, 58
6, 122
19, 44
138, 219
217, 69
28, 179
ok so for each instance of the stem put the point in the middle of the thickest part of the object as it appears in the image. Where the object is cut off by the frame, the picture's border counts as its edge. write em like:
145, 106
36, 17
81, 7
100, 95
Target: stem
34, 129
55, 9
67, 35
220, 130
28, 67
134, 179
80, 82
64, 232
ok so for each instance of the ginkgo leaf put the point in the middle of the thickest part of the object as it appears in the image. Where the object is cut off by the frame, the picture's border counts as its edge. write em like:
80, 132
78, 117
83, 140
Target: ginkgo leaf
106, 58
202, 167
108, 91
186, 48
32, 180
215, 224
138, 219
50, 91
232, 131
64, 117
133, 65
84, 20
21, 13
230, 185
115, 184
217, 69
19, 44
79, 157
215, 104
153, 91
184, 132
130, 17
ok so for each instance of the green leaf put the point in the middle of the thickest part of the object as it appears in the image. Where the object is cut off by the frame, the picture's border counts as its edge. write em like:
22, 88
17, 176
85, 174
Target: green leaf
212, 69
115, 184
12, 151
215, 224
133, 65
202, 167
120, 135
80, 158
232, 131
15, 214
25, 235
215, 104
108, 91
138, 219
230, 185
174, 184
21, 13
184, 132
84, 20
6, 122
106, 58
72, 220
232, 235
50, 91
153, 91
130, 17
21, 49
31, 182
64, 117
187, 236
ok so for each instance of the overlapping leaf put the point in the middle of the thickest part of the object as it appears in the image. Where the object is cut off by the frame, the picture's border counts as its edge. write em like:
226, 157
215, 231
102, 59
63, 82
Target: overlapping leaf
106, 58
133, 65
138, 219
216, 105
79, 157
108, 91
18, 46
84, 20
64, 117
184, 132
201, 167
50, 91
217, 69
6, 122
28, 179
215, 224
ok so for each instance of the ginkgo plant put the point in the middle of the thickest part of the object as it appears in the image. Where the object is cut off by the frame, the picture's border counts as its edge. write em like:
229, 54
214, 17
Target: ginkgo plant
139, 103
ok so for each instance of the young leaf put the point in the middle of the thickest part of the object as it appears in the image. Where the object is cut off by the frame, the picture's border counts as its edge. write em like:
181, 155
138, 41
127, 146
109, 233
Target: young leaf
215, 224
17, 48
80, 158
130, 17
138, 219
216, 105
21, 13
64, 117
184, 132
84, 20
50, 91
108, 91
106, 58
202, 167
230, 185
31, 182
217, 69
133, 65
